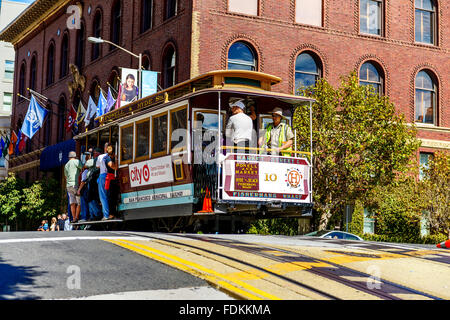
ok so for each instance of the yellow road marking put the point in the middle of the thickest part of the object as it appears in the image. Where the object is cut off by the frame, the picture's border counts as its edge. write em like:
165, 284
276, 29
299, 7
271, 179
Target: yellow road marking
190, 267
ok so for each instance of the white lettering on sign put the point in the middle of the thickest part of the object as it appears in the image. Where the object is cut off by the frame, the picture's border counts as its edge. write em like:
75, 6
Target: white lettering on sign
158, 196
151, 171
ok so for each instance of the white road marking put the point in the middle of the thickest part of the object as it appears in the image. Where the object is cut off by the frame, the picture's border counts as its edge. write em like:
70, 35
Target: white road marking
69, 239
196, 293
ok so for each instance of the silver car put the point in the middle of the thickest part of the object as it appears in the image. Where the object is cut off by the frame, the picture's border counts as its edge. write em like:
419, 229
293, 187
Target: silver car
334, 234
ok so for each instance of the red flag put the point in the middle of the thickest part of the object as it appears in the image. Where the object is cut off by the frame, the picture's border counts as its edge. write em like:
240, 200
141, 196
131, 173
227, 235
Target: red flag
23, 140
12, 142
71, 118
119, 98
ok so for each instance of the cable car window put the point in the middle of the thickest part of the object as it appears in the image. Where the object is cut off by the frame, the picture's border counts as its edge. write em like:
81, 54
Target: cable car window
142, 139
103, 138
208, 119
114, 135
126, 144
159, 143
178, 120
93, 140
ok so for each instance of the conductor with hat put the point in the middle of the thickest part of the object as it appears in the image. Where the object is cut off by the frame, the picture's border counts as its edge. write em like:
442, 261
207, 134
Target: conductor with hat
278, 135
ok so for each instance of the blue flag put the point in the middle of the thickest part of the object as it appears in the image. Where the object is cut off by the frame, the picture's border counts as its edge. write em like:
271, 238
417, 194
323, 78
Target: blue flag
110, 101
2, 146
34, 118
90, 112
101, 106
19, 136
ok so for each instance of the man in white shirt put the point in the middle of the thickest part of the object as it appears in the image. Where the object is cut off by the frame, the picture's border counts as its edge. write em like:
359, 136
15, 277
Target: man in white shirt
239, 127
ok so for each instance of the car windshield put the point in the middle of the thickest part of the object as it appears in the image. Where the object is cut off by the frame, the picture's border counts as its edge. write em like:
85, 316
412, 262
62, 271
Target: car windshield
317, 233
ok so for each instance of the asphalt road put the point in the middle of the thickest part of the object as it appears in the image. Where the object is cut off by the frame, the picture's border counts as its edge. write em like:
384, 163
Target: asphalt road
88, 265
77, 264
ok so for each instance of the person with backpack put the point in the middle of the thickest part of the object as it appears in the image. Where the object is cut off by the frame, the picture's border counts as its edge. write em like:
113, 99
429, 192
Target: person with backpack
92, 175
83, 189
107, 165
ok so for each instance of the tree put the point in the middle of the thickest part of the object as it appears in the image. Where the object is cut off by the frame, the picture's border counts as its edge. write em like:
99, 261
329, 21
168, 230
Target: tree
435, 192
41, 200
359, 142
10, 198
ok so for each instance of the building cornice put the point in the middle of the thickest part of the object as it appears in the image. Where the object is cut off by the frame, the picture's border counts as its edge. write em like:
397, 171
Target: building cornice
30, 19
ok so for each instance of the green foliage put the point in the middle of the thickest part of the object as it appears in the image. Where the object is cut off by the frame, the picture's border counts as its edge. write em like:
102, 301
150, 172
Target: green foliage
28, 204
356, 226
435, 192
430, 239
359, 143
281, 226
11, 197
42, 199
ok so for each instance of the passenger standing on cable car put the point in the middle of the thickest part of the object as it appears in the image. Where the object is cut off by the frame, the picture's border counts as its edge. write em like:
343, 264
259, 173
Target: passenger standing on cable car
239, 127
107, 164
278, 135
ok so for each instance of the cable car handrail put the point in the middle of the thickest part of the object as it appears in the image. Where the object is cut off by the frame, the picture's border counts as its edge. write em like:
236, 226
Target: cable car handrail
265, 149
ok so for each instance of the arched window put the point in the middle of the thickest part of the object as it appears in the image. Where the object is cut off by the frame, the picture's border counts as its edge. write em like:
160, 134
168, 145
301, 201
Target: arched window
97, 34
169, 68
145, 62
81, 37
146, 14
307, 70
22, 75
94, 90
171, 9
61, 118
50, 64
241, 56
113, 80
115, 23
425, 104
33, 73
425, 21
64, 56
370, 75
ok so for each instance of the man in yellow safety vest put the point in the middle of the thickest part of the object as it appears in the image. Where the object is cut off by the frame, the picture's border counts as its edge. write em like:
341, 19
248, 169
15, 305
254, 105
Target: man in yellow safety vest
278, 135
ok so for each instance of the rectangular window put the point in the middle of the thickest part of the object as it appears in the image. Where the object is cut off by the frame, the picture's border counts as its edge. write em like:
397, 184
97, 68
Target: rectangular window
424, 22
142, 139
159, 130
370, 17
9, 69
147, 8
425, 157
126, 144
178, 129
369, 223
249, 7
308, 12
7, 101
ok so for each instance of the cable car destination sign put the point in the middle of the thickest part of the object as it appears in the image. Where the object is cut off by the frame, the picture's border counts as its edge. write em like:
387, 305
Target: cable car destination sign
266, 178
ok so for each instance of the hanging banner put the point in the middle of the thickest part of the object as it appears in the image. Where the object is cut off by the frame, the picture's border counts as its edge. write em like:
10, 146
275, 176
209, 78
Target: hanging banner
266, 178
130, 91
149, 83
148, 172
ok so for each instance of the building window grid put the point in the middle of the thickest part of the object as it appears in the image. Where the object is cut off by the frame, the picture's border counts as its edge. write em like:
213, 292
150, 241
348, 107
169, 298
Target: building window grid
9, 69
7, 101
305, 73
425, 15
365, 78
425, 98
366, 17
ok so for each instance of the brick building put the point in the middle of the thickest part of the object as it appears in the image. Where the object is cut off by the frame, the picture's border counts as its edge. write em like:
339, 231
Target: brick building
402, 48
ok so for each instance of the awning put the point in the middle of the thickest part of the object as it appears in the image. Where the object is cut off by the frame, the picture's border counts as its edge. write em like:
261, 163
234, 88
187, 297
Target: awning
56, 155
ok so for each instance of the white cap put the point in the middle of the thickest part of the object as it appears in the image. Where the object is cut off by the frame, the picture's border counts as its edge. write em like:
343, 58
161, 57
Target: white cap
278, 111
238, 104
72, 154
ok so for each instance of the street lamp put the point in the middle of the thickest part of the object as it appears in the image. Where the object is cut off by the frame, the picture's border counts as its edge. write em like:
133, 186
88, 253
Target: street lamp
139, 56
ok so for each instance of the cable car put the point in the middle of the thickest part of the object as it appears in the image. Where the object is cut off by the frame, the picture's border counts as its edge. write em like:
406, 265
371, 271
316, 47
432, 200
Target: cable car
177, 167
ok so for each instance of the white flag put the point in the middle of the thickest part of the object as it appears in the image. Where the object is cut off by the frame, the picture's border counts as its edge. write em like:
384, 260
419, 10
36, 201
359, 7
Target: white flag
90, 112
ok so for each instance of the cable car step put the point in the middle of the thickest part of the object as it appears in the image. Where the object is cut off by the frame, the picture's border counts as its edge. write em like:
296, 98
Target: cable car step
95, 222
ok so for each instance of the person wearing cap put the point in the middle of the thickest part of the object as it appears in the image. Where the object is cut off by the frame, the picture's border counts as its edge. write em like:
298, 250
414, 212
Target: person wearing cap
107, 164
72, 171
239, 127
278, 135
